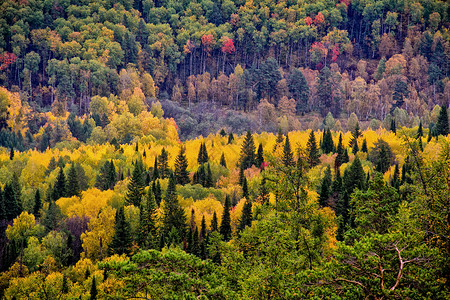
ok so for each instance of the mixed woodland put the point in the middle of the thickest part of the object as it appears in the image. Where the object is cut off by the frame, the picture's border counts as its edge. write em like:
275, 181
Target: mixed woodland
222, 149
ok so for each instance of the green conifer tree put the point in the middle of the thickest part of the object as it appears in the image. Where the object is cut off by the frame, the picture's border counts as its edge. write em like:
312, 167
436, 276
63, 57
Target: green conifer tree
354, 177
383, 161
340, 152
202, 154
209, 182
246, 219
247, 156
174, 217
136, 185
73, 187
121, 242
245, 188
263, 192
163, 164
155, 169
288, 157
260, 157
59, 189
442, 125
223, 163
279, 139
225, 225
327, 144
11, 153
230, 138
94, 292
202, 238
420, 130
393, 127
355, 147
325, 188
395, 181
312, 150
147, 222
214, 223
181, 174
364, 146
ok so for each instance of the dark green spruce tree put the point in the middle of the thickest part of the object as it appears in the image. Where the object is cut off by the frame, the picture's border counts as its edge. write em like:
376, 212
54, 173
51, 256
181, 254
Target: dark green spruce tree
325, 190
288, 157
312, 150
223, 162
180, 173
163, 164
174, 218
37, 204
247, 157
393, 127
246, 219
364, 146
230, 138
327, 143
340, 152
59, 189
225, 225
260, 157
263, 192
73, 187
214, 223
442, 126
245, 188
155, 174
202, 157
136, 185
420, 130
147, 235
121, 242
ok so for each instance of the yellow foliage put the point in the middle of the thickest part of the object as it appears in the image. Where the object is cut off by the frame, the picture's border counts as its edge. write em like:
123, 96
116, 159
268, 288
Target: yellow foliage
100, 232
90, 204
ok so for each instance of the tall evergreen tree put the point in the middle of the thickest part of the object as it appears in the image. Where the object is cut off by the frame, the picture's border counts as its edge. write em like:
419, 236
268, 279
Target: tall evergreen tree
354, 176
279, 139
325, 188
37, 204
420, 130
364, 146
312, 150
260, 157
11, 153
202, 157
263, 192
241, 176
73, 187
340, 152
163, 164
356, 133
202, 237
156, 188
245, 188
383, 161
136, 185
52, 216
59, 189
94, 292
225, 226
209, 179
223, 163
230, 138
442, 125
12, 204
393, 127
147, 222
247, 157
107, 177
246, 219
299, 89
155, 169
395, 181
327, 143
173, 215
355, 147
181, 174
121, 242
288, 157
214, 223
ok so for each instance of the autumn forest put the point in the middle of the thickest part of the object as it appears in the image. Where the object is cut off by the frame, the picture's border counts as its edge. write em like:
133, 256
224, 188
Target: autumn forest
224, 149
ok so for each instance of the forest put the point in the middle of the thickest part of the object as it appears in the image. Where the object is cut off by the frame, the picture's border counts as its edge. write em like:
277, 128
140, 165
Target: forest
224, 149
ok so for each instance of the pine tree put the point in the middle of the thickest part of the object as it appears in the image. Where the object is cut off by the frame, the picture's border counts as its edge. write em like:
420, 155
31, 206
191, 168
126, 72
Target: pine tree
11, 153
107, 177
156, 188
225, 226
93, 289
12, 203
241, 176
245, 188
230, 138
354, 177
364, 146
260, 157
337, 182
223, 163
263, 192
73, 187
393, 127
59, 190
345, 158
288, 157
163, 164
420, 130
203, 234
327, 144
121, 242
214, 223
195, 243
181, 174
383, 161
355, 147
202, 157
246, 219
147, 222
313, 152
37, 204
356, 133
279, 139
442, 125
325, 188
136, 149
395, 181
209, 179
136, 185
247, 156
155, 169
340, 152
112, 175
222, 133
173, 215
52, 216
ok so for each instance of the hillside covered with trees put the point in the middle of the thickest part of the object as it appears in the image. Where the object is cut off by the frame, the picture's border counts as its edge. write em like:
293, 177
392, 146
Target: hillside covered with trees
224, 149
